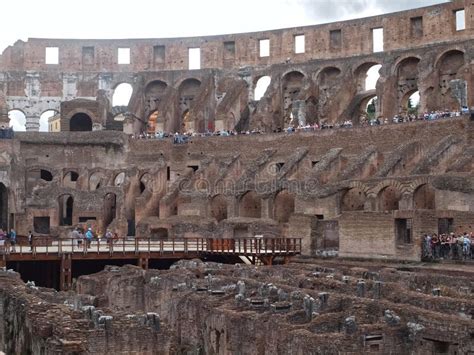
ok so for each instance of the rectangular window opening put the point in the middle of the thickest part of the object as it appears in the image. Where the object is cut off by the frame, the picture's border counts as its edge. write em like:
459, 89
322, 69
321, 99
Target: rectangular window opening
159, 54
41, 225
335, 39
168, 173
194, 58
264, 45
229, 50
299, 44
124, 56
87, 55
445, 225
404, 230
416, 27
377, 39
460, 20
52, 55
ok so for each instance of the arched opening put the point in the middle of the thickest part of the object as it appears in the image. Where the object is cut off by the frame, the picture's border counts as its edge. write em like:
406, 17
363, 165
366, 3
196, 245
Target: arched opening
292, 84
388, 199
110, 208
95, 181
46, 175
3, 207
283, 206
122, 94
70, 179
188, 90
145, 182
424, 198
410, 103
261, 87
151, 125
119, 179
250, 205
367, 76
66, 210
80, 122
449, 66
368, 109
219, 208
407, 72
44, 120
17, 120
155, 89
353, 200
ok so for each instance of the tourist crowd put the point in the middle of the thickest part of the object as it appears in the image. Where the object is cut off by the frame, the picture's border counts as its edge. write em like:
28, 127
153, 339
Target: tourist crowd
180, 138
448, 246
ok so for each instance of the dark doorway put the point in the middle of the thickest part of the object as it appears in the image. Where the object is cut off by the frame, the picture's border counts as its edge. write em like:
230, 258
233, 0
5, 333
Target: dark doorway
80, 122
445, 225
131, 227
3, 207
110, 208
404, 230
66, 206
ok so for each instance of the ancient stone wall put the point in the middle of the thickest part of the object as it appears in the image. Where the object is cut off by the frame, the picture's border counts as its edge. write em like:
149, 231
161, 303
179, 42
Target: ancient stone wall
422, 51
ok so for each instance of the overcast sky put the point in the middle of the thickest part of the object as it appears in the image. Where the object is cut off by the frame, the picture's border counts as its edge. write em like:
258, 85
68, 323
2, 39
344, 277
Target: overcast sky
173, 18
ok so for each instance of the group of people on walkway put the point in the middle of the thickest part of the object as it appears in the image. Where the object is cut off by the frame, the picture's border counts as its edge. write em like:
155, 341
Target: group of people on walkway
180, 138
83, 238
8, 240
448, 246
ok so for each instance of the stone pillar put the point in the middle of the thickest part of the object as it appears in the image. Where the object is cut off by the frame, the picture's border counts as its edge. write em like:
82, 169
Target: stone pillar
406, 202
32, 123
267, 210
377, 289
361, 288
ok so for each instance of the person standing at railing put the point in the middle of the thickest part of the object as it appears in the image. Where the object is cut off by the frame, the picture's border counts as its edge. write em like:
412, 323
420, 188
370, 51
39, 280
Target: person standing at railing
30, 240
89, 236
109, 237
12, 238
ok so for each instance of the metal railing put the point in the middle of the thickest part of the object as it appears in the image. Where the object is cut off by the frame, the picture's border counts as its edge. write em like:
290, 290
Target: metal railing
136, 246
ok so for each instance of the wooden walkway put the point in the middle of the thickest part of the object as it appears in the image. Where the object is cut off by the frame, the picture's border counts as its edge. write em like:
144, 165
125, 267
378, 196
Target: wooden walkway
256, 250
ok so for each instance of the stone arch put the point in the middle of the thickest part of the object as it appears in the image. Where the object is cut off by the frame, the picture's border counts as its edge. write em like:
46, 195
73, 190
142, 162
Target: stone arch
407, 80
120, 179
44, 119
448, 68
155, 88
65, 209
122, 93
70, 179
361, 74
80, 122
291, 87
219, 207
261, 85
283, 206
3, 207
188, 91
110, 208
353, 199
424, 197
145, 182
96, 180
250, 205
388, 198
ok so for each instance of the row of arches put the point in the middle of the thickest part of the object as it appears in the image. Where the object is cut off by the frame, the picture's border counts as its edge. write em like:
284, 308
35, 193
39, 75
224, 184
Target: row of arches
250, 206
387, 199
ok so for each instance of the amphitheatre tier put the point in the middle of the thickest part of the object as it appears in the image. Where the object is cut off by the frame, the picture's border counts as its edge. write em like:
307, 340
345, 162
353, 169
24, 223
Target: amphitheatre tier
424, 50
